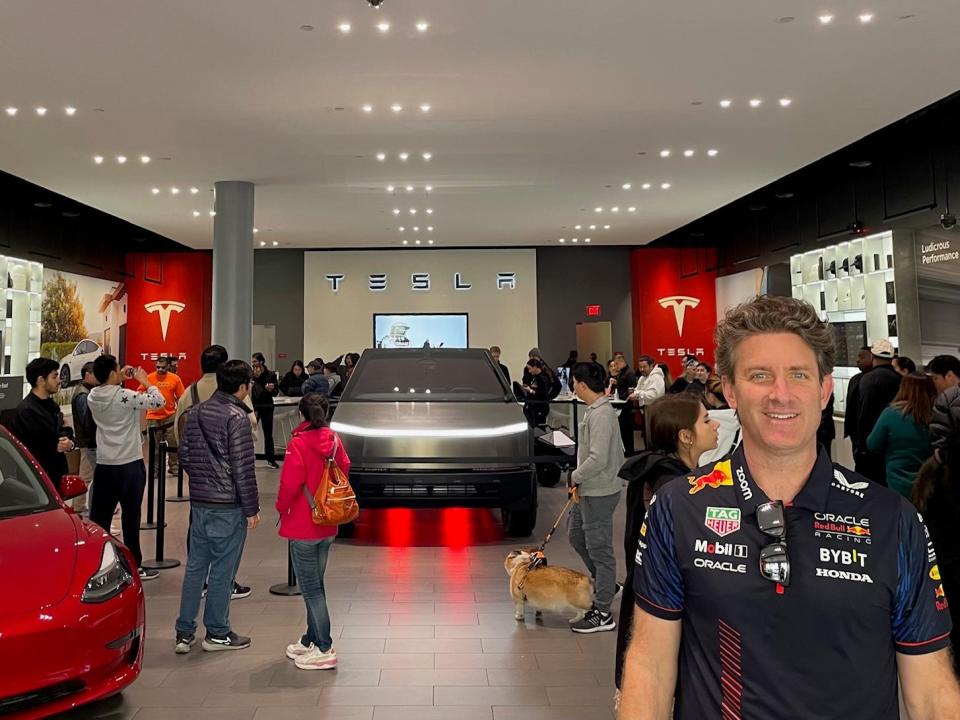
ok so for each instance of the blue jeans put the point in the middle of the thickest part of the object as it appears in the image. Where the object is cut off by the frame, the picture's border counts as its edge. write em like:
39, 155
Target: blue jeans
309, 563
216, 544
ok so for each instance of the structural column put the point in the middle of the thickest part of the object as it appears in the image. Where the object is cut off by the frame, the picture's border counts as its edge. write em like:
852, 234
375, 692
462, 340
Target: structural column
233, 267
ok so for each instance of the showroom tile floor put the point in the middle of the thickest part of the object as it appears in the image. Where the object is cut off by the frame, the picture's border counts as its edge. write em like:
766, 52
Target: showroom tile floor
422, 622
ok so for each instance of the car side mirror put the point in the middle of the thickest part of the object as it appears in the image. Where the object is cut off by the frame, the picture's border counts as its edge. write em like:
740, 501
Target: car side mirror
72, 486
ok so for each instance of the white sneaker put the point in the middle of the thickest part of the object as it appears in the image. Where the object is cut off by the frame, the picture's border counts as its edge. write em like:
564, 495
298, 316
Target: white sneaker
317, 660
298, 649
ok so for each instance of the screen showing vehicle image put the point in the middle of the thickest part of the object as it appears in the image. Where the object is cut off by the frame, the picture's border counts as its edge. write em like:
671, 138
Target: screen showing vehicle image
426, 330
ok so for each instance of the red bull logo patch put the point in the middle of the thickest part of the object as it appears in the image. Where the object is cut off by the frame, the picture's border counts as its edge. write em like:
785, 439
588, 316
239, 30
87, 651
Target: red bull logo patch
720, 475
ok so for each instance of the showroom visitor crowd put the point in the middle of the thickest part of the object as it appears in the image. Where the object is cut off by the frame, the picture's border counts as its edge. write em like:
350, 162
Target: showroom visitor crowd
903, 425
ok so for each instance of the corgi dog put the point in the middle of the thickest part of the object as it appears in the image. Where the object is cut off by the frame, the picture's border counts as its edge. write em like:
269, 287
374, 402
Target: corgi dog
546, 587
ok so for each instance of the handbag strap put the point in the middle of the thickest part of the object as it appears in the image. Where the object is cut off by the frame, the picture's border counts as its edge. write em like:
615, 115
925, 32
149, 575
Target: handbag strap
332, 459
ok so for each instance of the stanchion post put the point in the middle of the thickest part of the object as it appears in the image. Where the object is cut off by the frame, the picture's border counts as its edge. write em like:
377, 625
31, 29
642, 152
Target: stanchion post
161, 563
290, 586
179, 496
151, 473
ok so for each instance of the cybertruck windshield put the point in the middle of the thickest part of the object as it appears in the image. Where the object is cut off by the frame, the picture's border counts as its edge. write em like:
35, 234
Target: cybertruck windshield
426, 376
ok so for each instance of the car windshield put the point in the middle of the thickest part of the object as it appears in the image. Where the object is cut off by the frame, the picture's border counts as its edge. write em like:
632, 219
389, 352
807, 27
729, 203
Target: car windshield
426, 376
21, 490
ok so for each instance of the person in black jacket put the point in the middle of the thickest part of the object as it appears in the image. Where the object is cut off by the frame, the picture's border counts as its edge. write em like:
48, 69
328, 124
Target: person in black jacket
39, 423
624, 383
537, 391
218, 454
294, 379
264, 390
877, 389
85, 433
865, 364
680, 431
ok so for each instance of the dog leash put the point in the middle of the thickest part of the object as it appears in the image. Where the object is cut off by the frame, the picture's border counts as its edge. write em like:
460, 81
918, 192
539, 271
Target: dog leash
538, 557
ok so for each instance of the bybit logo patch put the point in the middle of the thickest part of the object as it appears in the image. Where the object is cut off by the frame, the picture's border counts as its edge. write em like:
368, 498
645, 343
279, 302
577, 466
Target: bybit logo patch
164, 308
679, 303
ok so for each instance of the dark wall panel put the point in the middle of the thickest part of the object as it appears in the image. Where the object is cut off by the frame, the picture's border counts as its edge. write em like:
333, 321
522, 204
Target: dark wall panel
909, 182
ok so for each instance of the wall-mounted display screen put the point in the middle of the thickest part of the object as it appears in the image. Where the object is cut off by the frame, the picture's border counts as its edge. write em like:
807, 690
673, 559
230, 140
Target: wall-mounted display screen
420, 330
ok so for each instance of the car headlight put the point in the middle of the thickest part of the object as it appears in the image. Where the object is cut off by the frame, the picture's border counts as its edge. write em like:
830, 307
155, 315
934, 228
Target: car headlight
111, 578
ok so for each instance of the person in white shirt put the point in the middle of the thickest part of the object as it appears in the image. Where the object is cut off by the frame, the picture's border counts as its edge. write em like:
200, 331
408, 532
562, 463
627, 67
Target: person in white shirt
651, 384
120, 476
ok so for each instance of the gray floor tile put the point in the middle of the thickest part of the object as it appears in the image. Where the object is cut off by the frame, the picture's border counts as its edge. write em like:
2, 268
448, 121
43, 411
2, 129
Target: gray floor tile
480, 712
376, 696
501, 695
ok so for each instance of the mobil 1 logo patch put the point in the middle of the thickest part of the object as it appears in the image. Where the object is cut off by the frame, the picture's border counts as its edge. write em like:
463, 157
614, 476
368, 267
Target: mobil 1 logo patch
710, 547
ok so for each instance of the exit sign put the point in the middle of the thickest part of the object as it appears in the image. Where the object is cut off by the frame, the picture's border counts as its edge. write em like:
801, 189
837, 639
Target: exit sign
593, 311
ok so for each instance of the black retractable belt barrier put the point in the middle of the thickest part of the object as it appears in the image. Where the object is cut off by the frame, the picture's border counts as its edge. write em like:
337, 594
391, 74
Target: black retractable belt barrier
160, 563
290, 586
151, 474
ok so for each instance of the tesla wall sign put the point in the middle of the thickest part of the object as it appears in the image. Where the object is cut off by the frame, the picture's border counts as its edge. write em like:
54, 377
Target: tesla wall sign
679, 303
164, 308
421, 281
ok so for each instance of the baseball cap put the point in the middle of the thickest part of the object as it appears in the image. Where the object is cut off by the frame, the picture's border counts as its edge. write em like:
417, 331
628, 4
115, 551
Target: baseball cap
882, 349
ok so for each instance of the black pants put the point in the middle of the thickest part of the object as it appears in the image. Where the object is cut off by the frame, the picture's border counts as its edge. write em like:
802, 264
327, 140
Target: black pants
122, 484
266, 422
626, 422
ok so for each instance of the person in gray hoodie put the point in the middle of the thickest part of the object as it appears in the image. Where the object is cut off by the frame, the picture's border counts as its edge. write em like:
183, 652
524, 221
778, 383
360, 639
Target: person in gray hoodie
596, 489
120, 476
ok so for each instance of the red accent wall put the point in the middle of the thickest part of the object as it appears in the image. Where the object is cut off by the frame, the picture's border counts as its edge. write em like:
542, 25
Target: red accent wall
686, 275
169, 277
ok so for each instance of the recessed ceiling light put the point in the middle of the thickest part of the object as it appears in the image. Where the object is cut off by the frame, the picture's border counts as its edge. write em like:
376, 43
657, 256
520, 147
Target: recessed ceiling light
401, 228
425, 107
121, 159
196, 213
606, 227
563, 240
646, 186
592, 227
416, 228
665, 186
344, 27
688, 153
416, 242
756, 102
98, 159
577, 227
825, 19
11, 111
155, 191
429, 228
409, 188
406, 242
383, 27
586, 240
429, 211
403, 156
428, 156
396, 211
785, 102
726, 103
573, 240
213, 213
614, 209
396, 107
664, 153
390, 188
275, 243
429, 242
429, 188
70, 110
626, 186
865, 18
144, 159
712, 152
423, 26
413, 211
381, 156
367, 108
598, 209
263, 243
256, 230
41, 111
194, 190
631, 209
174, 191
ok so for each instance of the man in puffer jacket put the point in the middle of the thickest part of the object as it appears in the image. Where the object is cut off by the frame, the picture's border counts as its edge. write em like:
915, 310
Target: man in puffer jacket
217, 453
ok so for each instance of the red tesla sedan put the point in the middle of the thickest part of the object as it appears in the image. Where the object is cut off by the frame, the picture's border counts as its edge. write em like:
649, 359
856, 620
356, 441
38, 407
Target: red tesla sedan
71, 604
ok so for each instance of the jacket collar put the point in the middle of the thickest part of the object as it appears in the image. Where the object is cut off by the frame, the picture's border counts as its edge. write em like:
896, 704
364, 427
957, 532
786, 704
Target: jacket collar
222, 396
812, 496
603, 399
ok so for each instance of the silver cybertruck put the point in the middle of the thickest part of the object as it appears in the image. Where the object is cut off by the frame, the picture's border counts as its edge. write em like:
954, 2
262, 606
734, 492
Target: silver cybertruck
408, 416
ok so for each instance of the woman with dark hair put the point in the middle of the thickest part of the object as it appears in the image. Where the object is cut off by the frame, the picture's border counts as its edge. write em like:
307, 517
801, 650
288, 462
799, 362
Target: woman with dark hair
904, 365
902, 433
728, 431
536, 391
680, 432
293, 381
263, 390
312, 445
667, 379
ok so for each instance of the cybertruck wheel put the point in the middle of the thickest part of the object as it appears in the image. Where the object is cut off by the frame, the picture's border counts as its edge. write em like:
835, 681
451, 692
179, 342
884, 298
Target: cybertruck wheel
519, 523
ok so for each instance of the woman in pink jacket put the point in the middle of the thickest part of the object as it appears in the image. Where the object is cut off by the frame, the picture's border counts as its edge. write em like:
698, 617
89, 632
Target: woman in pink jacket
312, 444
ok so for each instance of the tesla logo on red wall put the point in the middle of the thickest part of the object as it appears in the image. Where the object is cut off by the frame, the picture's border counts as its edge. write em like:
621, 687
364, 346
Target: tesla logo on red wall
679, 303
164, 308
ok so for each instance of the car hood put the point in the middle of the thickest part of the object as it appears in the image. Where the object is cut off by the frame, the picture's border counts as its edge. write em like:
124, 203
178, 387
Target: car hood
38, 554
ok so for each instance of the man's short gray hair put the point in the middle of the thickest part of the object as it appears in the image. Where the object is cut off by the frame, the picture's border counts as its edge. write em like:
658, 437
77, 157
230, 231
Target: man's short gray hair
768, 314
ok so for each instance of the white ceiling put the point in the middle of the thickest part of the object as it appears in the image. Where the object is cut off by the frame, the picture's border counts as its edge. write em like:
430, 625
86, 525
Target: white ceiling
537, 105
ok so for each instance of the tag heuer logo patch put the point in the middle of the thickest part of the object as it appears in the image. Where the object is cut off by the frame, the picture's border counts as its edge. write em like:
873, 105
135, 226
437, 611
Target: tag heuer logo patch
723, 520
